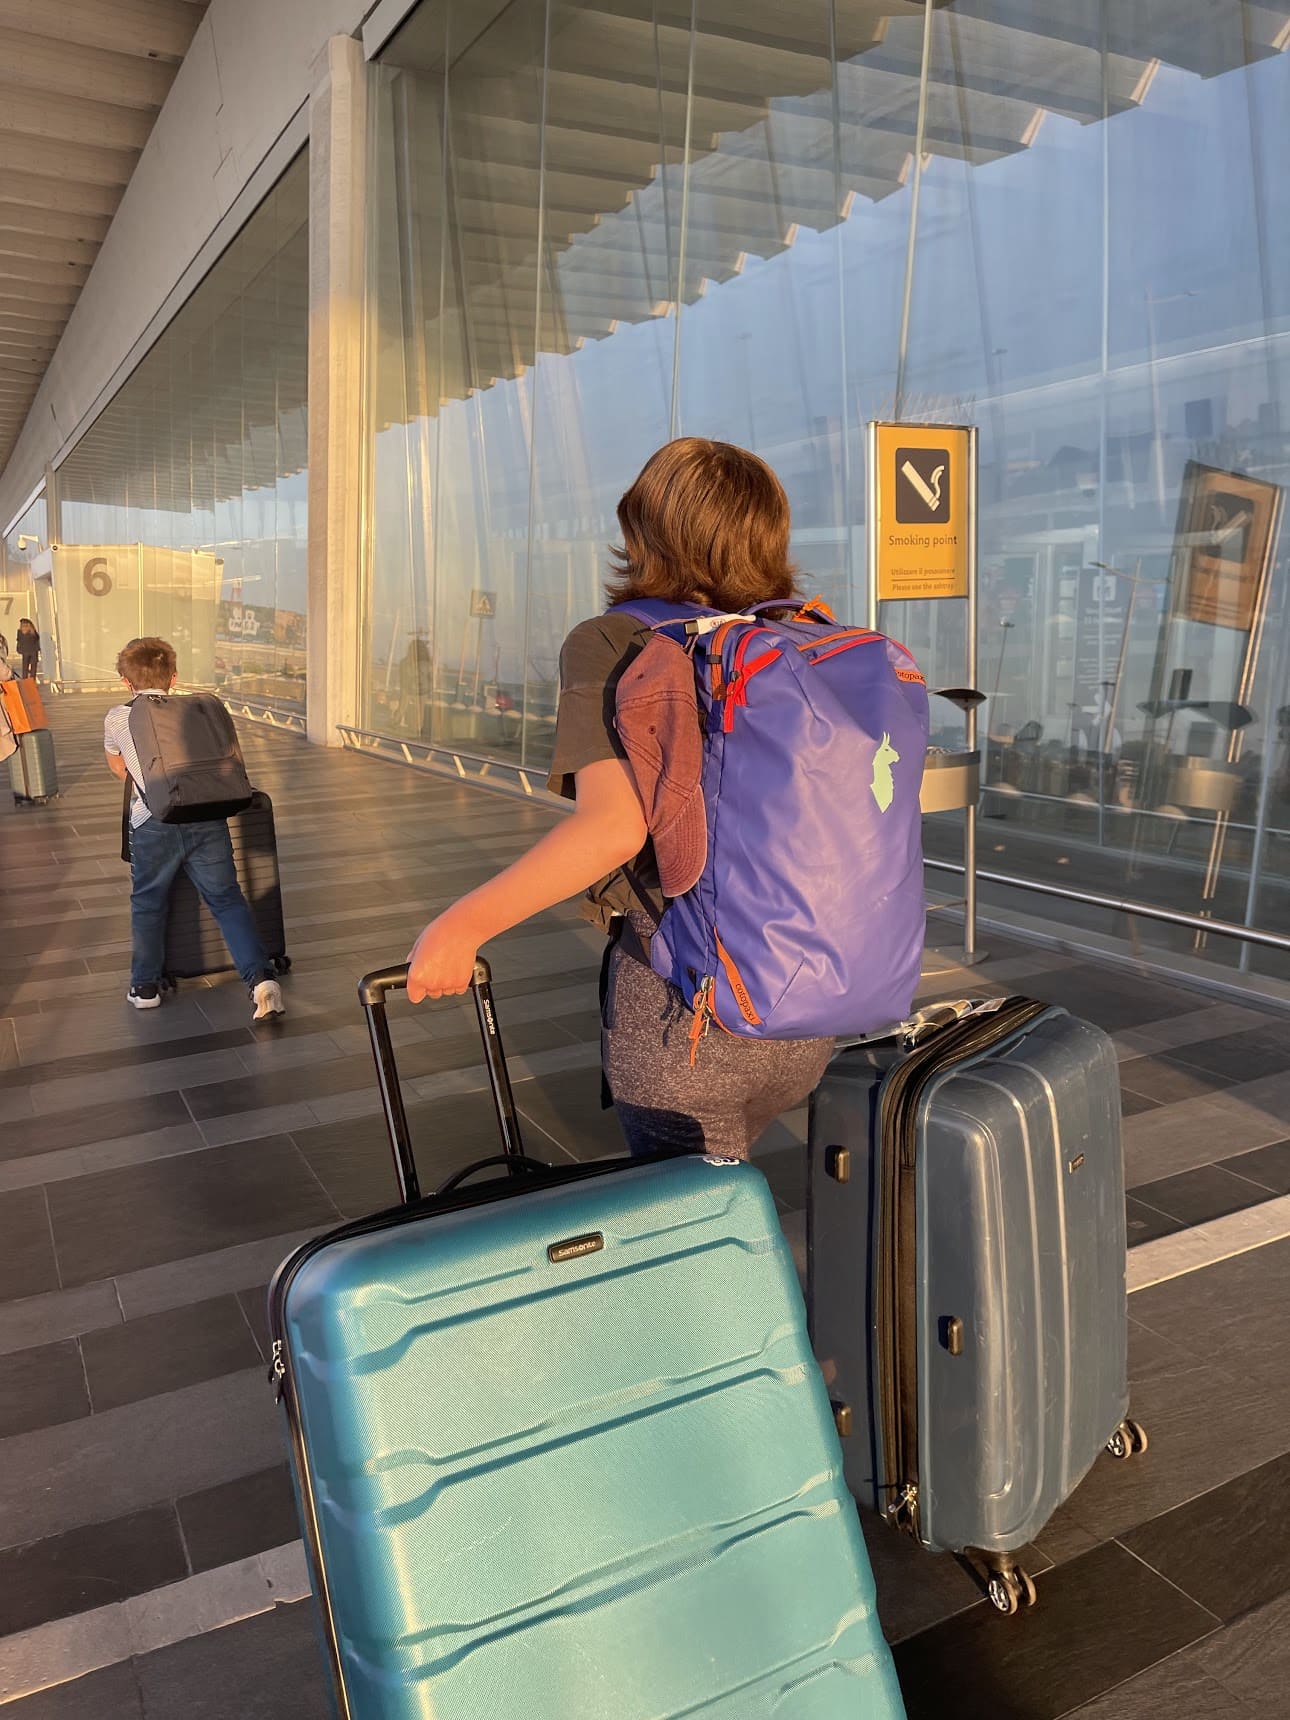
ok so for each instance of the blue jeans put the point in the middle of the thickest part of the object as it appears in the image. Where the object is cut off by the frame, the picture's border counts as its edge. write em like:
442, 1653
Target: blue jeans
157, 854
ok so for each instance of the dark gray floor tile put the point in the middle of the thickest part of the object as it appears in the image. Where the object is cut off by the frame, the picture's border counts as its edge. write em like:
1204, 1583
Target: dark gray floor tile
1230, 1548
345, 1074
40, 938
1194, 1197
1152, 1357
1100, 1619
162, 1352
197, 1277
1166, 1083
129, 1056
93, 1123
1132, 1104
27, 1264
121, 1220
255, 1311
1240, 1056
265, 1668
1232, 1315
74, 1025
587, 974
916, 1589
1115, 1001
1206, 1427
112, 1694
239, 1518
1176, 1689
352, 1158
1144, 1223
89, 1567
16, 1108
264, 1089
566, 1108
41, 1387
785, 1170
1251, 1659
1064, 1538
1269, 1166
463, 1051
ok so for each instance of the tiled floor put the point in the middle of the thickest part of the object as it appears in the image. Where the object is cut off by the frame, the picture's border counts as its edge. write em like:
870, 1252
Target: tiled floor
154, 1169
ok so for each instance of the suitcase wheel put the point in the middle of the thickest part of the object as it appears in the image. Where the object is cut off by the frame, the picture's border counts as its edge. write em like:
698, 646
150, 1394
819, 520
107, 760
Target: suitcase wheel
1009, 1591
1129, 1438
281, 964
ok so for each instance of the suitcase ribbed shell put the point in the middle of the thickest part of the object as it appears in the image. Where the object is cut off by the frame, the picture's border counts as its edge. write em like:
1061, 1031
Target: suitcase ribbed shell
1020, 1237
604, 1484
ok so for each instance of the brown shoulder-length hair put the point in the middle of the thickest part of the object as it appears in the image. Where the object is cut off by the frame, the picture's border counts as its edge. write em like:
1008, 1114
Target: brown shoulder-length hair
704, 522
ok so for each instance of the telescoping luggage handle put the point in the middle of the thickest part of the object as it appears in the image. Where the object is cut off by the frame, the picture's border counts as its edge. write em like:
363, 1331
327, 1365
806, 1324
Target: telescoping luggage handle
372, 991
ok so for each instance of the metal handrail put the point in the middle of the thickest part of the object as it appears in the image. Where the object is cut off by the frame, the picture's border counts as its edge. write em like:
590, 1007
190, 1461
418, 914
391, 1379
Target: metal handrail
1120, 905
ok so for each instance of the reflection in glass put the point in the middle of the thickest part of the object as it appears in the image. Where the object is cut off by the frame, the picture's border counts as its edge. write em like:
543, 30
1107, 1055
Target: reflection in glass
22, 589
597, 227
183, 506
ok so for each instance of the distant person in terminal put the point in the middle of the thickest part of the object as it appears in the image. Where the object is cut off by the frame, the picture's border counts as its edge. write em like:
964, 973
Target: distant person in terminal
28, 647
708, 523
160, 851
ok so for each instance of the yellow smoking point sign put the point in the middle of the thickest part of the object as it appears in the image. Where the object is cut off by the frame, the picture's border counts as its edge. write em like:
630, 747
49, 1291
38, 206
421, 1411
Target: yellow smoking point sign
921, 491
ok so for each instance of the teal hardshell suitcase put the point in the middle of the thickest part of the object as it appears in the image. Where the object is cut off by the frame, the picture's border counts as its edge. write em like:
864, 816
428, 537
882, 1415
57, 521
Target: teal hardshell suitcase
562, 1450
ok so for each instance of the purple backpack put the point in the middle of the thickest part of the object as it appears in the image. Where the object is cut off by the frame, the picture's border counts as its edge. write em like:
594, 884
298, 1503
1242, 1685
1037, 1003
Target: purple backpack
808, 919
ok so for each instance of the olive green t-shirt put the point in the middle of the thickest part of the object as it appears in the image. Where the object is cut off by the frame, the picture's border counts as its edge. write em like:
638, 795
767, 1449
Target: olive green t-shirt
592, 660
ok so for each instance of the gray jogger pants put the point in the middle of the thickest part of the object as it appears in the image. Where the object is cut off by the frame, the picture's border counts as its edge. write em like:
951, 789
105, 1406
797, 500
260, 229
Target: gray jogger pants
734, 1091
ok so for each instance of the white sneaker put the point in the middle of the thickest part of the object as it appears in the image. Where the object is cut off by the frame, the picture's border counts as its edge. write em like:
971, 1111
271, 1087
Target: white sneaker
144, 996
267, 998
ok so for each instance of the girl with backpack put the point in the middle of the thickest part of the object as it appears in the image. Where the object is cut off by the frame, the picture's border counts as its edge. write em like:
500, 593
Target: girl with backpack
705, 524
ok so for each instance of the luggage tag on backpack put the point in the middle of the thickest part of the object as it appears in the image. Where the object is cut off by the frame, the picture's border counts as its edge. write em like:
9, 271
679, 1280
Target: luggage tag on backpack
701, 624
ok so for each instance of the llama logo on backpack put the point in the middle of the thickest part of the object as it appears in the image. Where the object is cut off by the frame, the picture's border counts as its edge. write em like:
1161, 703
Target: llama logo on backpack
883, 787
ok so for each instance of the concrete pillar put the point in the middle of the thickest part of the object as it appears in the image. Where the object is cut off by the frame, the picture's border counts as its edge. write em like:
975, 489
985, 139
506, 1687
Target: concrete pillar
337, 207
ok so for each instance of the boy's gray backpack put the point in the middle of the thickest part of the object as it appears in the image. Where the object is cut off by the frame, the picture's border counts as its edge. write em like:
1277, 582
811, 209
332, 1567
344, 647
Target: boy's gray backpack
190, 760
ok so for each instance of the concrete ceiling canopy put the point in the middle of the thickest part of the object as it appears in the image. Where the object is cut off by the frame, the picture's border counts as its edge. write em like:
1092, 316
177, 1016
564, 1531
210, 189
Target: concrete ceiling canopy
81, 83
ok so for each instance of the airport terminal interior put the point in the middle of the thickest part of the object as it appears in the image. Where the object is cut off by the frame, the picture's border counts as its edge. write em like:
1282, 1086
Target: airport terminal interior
355, 446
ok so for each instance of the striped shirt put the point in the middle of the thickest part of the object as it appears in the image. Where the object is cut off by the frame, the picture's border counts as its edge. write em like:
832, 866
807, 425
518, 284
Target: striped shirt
118, 739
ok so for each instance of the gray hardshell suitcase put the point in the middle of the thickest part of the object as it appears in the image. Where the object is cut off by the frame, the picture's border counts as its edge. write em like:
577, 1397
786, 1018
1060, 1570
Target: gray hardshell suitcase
966, 1241
33, 769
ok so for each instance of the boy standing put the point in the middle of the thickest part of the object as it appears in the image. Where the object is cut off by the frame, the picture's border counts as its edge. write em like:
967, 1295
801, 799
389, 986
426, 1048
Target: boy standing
159, 851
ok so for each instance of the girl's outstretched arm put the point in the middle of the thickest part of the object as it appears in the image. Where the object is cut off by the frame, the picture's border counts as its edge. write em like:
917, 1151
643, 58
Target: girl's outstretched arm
606, 830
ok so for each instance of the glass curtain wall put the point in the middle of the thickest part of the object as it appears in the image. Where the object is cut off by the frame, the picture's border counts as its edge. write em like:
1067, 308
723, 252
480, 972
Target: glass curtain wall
21, 590
598, 226
182, 509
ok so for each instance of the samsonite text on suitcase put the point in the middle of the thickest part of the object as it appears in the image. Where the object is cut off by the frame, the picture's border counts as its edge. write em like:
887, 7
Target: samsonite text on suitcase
23, 705
562, 1450
966, 1242
194, 946
33, 768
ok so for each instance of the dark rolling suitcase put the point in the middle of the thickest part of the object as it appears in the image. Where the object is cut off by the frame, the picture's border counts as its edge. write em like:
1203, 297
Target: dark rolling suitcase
194, 946
561, 1449
33, 769
966, 1249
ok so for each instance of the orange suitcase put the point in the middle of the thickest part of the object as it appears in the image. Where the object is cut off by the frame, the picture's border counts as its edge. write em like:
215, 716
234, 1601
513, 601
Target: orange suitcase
23, 706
